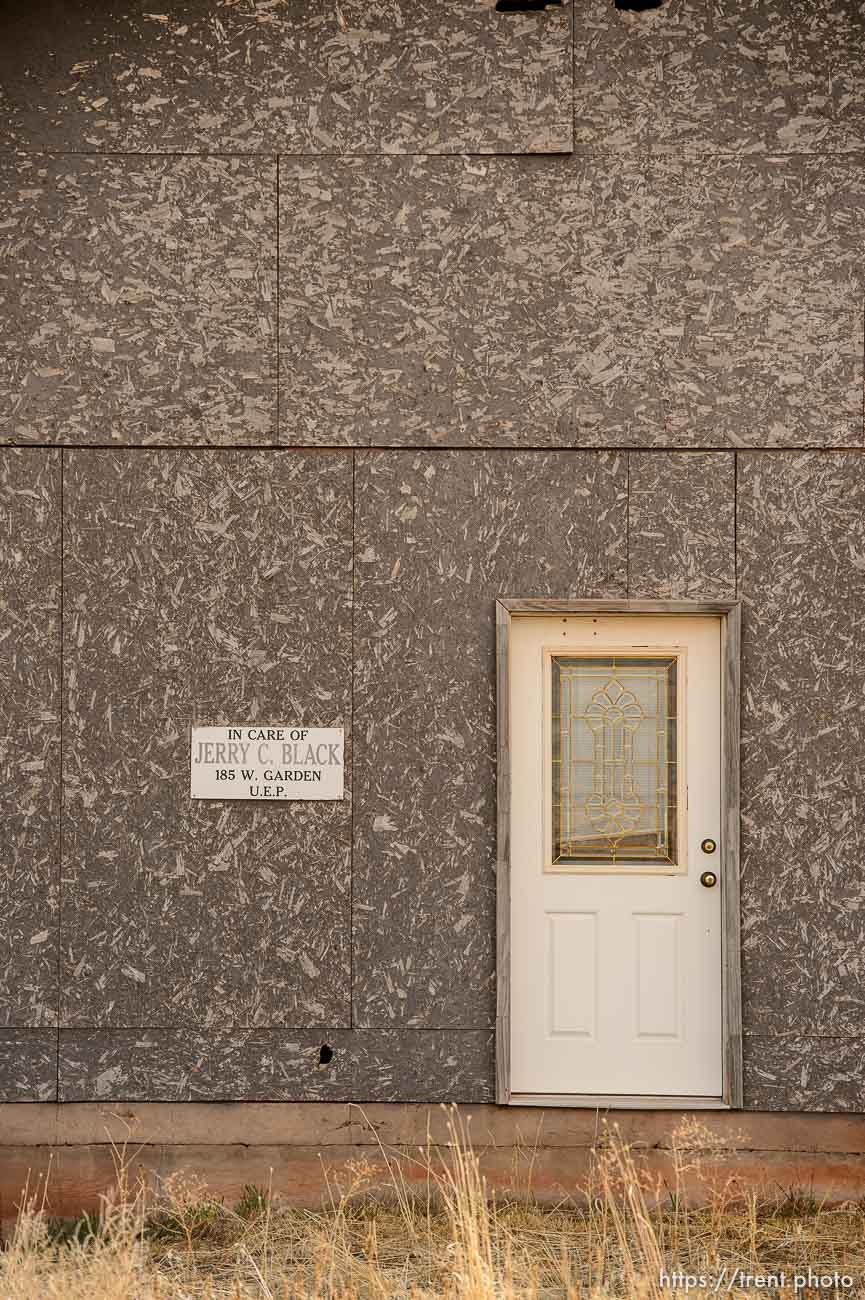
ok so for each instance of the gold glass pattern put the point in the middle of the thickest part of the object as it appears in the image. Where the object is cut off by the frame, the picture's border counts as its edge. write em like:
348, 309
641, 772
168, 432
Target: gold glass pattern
614, 748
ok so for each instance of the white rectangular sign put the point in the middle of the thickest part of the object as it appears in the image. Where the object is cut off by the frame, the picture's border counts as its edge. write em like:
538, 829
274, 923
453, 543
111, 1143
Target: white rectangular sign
267, 762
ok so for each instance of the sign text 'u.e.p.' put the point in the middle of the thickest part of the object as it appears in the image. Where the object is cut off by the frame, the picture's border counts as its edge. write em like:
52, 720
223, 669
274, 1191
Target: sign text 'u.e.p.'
267, 762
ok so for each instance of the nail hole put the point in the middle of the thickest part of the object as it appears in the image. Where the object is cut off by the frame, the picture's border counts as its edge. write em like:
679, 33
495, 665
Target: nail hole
325, 1054
639, 5
526, 6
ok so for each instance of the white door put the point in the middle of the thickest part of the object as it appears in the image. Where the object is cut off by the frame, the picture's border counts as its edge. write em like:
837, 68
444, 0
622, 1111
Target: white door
615, 809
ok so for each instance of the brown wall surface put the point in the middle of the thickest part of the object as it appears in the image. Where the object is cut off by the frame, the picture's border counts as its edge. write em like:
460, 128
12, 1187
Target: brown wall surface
299, 373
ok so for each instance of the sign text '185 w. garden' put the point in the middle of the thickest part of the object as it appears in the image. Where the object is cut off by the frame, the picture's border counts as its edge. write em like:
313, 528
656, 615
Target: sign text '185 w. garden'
267, 762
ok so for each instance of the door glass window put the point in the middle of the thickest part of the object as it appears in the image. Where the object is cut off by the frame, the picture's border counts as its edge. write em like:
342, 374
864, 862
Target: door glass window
614, 760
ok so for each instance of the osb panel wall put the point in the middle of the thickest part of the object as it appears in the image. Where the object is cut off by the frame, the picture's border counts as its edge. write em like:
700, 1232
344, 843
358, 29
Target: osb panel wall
437, 537
567, 302
310, 371
288, 76
201, 587
29, 770
139, 296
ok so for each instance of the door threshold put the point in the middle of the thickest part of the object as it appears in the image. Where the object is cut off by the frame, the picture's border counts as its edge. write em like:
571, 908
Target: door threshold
616, 1101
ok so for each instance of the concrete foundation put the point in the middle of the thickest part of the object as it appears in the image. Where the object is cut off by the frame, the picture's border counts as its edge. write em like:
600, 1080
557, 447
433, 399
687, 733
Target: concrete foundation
303, 1152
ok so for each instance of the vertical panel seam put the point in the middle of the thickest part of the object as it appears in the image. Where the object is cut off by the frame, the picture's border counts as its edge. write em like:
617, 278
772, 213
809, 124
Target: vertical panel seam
277, 433
736, 525
860, 432
628, 524
573, 23
353, 755
60, 698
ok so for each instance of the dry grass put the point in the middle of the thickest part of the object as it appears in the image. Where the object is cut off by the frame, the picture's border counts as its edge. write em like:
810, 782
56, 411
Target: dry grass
457, 1243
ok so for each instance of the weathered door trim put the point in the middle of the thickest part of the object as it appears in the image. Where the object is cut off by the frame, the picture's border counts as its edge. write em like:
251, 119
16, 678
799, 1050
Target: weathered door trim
731, 979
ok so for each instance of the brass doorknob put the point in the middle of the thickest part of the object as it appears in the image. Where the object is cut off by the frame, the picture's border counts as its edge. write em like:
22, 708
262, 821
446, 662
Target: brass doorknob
708, 846
709, 879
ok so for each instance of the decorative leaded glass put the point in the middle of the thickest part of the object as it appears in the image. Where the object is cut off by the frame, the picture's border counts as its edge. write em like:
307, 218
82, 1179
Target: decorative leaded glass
614, 747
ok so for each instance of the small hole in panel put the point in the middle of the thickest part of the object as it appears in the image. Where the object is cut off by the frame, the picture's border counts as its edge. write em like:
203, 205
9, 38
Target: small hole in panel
325, 1054
637, 6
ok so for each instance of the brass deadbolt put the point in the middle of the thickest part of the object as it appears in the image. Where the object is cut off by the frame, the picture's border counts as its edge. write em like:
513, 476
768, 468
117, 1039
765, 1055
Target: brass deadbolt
708, 846
709, 879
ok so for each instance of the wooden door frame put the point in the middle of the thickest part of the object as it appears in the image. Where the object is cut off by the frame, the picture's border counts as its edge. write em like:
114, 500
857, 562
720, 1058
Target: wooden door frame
729, 612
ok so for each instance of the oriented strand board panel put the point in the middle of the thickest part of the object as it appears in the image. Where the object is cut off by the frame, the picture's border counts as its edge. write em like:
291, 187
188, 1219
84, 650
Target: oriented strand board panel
563, 302
494, 302
739, 76
29, 736
286, 76
137, 300
768, 301
207, 587
798, 1072
277, 1065
28, 1064
801, 543
681, 526
438, 536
